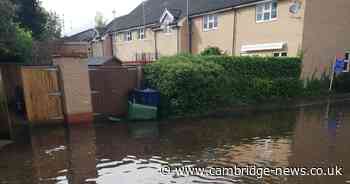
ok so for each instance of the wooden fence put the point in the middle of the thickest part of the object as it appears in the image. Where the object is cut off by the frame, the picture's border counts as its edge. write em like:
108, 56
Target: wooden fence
110, 87
43, 96
5, 128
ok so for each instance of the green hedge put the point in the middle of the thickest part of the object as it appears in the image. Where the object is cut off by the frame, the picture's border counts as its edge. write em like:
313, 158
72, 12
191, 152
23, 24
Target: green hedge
259, 67
194, 84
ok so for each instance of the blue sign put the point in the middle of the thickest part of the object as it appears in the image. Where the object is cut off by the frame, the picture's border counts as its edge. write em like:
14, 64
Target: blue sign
339, 66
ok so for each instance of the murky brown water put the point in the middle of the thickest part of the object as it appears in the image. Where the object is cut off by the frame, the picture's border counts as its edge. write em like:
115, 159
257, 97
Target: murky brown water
133, 153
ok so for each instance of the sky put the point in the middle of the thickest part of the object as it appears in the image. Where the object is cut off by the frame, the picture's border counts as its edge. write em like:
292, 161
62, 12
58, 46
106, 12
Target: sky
79, 15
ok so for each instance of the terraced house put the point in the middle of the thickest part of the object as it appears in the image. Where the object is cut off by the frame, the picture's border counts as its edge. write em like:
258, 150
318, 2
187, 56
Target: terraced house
314, 29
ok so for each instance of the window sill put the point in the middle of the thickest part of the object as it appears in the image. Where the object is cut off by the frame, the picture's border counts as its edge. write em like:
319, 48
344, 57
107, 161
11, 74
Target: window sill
208, 30
266, 21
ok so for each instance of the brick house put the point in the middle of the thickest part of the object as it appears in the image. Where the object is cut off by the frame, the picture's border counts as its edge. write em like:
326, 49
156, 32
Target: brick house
315, 29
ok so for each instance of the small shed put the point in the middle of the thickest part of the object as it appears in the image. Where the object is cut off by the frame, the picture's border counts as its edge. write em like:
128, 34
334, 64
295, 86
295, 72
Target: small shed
103, 61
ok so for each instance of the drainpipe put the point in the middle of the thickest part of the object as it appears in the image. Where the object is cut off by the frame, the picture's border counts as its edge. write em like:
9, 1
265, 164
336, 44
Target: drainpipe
155, 45
234, 36
189, 28
178, 40
111, 42
190, 36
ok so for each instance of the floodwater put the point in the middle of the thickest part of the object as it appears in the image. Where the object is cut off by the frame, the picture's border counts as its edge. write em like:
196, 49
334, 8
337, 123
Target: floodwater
133, 153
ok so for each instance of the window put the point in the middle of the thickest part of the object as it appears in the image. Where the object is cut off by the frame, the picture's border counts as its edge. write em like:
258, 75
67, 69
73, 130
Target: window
114, 42
347, 61
167, 29
280, 54
128, 36
210, 22
266, 11
141, 34
166, 25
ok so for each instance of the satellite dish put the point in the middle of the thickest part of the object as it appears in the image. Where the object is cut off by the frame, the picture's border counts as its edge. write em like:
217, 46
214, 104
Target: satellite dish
295, 7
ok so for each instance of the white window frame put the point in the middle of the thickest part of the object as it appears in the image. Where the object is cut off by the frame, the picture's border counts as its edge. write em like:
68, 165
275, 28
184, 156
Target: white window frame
166, 20
284, 53
212, 19
280, 54
128, 36
167, 29
261, 10
276, 54
114, 42
347, 61
141, 34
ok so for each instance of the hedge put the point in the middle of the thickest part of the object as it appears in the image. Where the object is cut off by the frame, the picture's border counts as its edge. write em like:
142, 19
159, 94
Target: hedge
194, 84
259, 67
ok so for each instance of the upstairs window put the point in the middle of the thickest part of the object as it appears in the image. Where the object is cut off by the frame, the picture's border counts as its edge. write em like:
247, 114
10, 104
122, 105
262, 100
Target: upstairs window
266, 11
128, 36
167, 29
141, 34
210, 22
280, 54
167, 20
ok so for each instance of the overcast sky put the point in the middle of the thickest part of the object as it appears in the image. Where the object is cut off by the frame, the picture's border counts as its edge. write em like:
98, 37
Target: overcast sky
79, 14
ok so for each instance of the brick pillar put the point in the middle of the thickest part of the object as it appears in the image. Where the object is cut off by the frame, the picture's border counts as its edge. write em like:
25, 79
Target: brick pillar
75, 82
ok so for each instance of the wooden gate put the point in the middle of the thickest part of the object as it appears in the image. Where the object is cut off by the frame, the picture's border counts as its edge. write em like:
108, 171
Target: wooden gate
42, 94
110, 87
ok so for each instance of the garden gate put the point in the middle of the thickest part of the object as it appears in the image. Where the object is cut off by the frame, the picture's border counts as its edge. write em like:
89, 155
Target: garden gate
42, 93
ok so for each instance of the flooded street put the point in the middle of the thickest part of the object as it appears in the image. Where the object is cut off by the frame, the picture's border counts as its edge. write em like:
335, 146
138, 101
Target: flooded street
133, 153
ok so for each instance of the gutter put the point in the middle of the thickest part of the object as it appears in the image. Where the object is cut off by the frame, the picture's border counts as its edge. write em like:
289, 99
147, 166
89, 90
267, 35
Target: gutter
196, 15
252, 4
212, 12
133, 28
230, 8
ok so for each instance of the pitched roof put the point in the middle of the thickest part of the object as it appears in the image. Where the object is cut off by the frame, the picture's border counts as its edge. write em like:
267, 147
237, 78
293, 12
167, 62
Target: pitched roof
153, 10
86, 36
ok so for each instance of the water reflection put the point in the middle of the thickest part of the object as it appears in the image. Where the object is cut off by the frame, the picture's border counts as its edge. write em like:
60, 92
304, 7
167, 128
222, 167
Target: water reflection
133, 153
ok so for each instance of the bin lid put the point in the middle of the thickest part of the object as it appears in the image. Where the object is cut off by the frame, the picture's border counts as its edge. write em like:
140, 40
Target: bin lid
147, 90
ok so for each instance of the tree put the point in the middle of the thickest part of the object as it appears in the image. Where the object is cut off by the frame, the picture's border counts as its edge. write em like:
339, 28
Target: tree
53, 27
21, 21
23, 44
15, 42
7, 28
31, 16
100, 20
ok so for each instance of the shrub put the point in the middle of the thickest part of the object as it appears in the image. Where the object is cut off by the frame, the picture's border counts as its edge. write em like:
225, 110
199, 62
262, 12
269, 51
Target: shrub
191, 84
187, 87
342, 83
211, 51
317, 87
